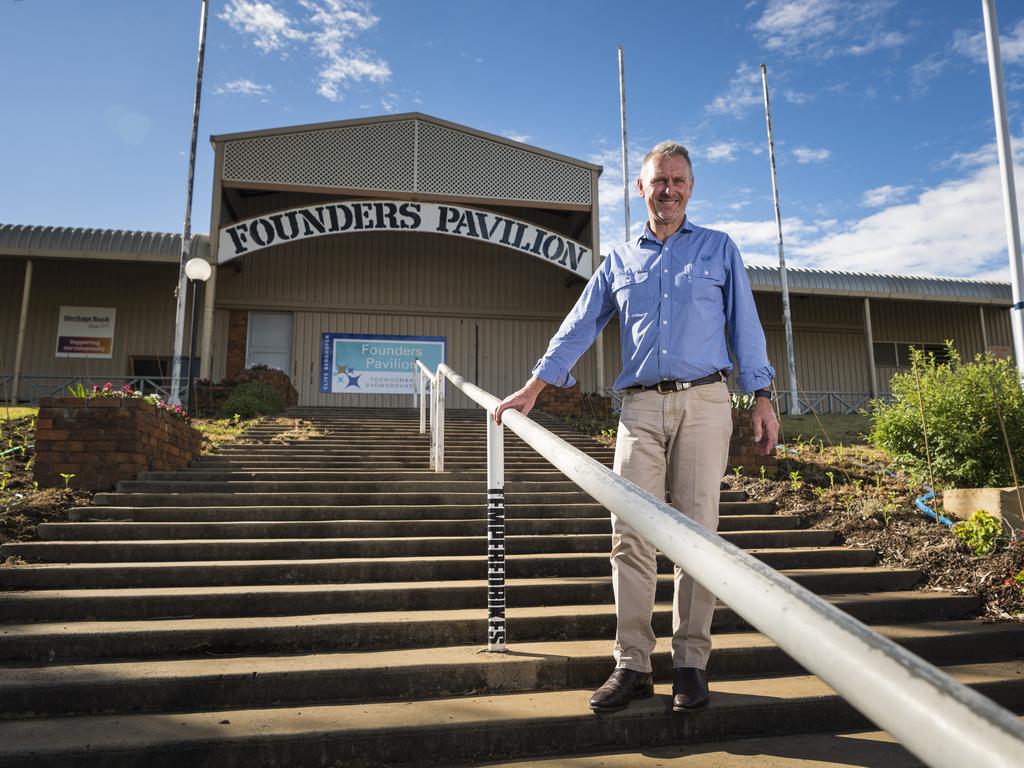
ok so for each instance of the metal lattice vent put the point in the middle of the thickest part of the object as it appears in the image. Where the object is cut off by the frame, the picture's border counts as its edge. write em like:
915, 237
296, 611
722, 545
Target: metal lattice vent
378, 156
406, 156
461, 164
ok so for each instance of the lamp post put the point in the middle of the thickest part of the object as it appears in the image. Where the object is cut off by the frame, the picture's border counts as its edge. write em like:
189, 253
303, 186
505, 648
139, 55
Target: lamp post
197, 271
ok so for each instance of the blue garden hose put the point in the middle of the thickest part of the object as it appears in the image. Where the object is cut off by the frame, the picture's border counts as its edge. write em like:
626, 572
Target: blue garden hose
920, 503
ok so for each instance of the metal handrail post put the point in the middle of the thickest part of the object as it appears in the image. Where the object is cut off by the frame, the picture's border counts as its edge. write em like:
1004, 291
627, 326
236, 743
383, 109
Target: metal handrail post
941, 721
423, 403
495, 536
439, 451
433, 425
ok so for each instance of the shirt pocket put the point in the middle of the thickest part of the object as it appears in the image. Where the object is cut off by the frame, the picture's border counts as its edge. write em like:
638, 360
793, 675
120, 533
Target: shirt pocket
632, 291
708, 281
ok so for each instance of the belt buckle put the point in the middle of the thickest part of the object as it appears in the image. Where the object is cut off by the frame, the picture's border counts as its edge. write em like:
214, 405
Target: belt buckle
665, 387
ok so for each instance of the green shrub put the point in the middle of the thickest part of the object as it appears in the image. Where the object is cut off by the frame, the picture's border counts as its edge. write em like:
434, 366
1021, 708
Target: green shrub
964, 436
980, 533
252, 400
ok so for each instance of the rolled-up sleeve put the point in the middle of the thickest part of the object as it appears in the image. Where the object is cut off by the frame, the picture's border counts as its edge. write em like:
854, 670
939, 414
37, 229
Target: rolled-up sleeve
746, 336
581, 326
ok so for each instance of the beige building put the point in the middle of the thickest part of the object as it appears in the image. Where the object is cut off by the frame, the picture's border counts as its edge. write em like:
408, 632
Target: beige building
404, 227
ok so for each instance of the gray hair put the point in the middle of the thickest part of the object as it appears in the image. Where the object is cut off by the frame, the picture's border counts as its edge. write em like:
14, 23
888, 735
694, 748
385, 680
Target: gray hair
669, 149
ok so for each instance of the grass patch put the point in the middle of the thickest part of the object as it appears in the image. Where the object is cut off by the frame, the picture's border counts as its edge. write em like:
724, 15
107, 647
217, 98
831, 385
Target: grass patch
217, 432
12, 412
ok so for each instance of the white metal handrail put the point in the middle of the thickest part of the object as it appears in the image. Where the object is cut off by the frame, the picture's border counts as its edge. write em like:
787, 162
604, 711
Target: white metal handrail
943, 722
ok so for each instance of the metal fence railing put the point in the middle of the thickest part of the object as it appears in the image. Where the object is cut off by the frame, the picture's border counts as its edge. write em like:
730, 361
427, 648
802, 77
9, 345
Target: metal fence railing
941, 721
42, 385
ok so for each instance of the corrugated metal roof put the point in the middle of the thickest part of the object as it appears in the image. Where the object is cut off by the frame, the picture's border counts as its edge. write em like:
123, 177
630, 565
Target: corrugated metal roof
881, 286
123, 245
88, 243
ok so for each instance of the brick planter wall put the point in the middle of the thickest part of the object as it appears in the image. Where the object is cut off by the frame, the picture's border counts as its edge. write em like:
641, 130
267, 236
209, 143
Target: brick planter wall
209, 398
106, 439
741, 448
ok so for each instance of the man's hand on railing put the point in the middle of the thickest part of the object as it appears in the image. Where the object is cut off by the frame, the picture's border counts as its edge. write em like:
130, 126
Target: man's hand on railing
766, 425
521, 400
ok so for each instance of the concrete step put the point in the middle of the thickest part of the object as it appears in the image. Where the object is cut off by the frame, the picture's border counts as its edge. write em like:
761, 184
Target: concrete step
80, 641
306, 485
370, 528
394, 546
447, 731
424, 498
370, 512
367, 570
344, 474
193, 684
99, 604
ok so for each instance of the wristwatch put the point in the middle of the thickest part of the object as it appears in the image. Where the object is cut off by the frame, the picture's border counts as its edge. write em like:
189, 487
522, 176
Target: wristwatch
763, 393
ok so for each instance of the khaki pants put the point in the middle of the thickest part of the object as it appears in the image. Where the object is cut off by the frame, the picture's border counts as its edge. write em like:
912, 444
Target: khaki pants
676, 444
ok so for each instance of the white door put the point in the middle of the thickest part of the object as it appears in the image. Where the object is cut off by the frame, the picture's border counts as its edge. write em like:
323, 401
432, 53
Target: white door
270, 341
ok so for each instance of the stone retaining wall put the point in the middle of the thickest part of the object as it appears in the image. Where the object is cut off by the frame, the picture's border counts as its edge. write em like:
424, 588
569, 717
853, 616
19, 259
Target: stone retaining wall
106, 439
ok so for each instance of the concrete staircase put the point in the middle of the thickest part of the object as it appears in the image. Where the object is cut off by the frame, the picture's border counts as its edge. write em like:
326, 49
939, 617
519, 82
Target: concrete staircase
323, 602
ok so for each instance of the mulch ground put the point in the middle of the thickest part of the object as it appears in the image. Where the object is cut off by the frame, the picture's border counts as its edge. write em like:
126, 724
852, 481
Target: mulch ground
847, 490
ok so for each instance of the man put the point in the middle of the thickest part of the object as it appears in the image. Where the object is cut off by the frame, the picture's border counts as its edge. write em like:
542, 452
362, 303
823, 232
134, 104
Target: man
681, 292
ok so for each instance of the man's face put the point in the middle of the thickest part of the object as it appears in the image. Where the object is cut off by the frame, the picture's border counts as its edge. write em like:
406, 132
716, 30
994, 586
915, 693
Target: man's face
666, 184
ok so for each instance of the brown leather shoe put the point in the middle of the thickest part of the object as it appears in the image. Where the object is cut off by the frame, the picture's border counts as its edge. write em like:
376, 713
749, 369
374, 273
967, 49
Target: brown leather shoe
689, 688
621, 688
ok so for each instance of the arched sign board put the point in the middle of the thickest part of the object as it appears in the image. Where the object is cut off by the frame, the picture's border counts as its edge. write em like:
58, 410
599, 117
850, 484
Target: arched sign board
397, 216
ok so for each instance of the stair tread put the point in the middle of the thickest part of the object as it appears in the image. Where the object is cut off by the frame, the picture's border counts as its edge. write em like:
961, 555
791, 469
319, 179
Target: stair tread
410, 720
396, 617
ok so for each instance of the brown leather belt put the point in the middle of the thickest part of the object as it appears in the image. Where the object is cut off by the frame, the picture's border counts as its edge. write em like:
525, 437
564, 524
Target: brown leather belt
665, 387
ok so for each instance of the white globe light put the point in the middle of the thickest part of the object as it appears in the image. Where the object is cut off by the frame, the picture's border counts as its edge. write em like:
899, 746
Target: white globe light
198, 269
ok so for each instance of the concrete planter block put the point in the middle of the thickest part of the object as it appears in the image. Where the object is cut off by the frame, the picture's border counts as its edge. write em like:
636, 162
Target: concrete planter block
103, 440
999, 502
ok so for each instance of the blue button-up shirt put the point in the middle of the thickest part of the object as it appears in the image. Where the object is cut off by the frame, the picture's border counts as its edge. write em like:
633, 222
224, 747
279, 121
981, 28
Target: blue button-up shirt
678, 302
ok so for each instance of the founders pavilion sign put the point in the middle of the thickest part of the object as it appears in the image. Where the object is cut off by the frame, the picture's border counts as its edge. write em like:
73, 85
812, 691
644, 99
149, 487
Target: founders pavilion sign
385, 215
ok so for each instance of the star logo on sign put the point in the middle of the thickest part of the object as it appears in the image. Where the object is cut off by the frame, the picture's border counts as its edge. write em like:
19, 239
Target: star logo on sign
353, 381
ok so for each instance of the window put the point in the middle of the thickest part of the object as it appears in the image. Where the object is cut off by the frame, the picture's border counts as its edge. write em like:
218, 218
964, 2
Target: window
889, 354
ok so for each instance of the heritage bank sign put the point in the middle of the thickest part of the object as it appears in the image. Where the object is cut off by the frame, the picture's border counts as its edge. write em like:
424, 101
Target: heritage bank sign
386, 215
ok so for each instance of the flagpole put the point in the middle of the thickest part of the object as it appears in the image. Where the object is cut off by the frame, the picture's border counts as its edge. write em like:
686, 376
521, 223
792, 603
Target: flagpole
794, 402
625, 151
995, 71
186, 235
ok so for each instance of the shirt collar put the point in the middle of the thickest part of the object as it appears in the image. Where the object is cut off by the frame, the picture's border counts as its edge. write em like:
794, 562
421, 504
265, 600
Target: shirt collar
647, 234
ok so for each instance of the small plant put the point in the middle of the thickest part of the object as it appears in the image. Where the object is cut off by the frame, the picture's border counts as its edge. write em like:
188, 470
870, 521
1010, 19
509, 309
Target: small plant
67, 478
831, 478
795, 481
1019, 579
980, 533
741, 402
4, 477
858, 485
820, 492
763, 471
77, 390
737, 471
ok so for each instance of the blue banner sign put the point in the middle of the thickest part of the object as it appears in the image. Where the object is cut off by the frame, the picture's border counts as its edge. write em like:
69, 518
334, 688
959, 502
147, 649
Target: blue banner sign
352, 363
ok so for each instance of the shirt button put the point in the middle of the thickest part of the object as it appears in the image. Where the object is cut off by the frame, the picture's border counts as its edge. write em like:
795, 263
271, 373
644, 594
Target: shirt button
664, 351
666, 270
705, 271
664, 295
664, 322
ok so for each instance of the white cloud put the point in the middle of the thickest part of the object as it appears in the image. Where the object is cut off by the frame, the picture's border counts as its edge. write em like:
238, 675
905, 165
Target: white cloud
797, 97
389, 101
825, 28
522, 138
327, 29
955, 229
878, 41
270, 28
926, 70
244, 87
887, 194
724, 151
744, 92
1011, 46
805, 155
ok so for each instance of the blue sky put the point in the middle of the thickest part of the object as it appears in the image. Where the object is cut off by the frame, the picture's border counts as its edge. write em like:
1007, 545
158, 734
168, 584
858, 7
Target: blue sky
881, 108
